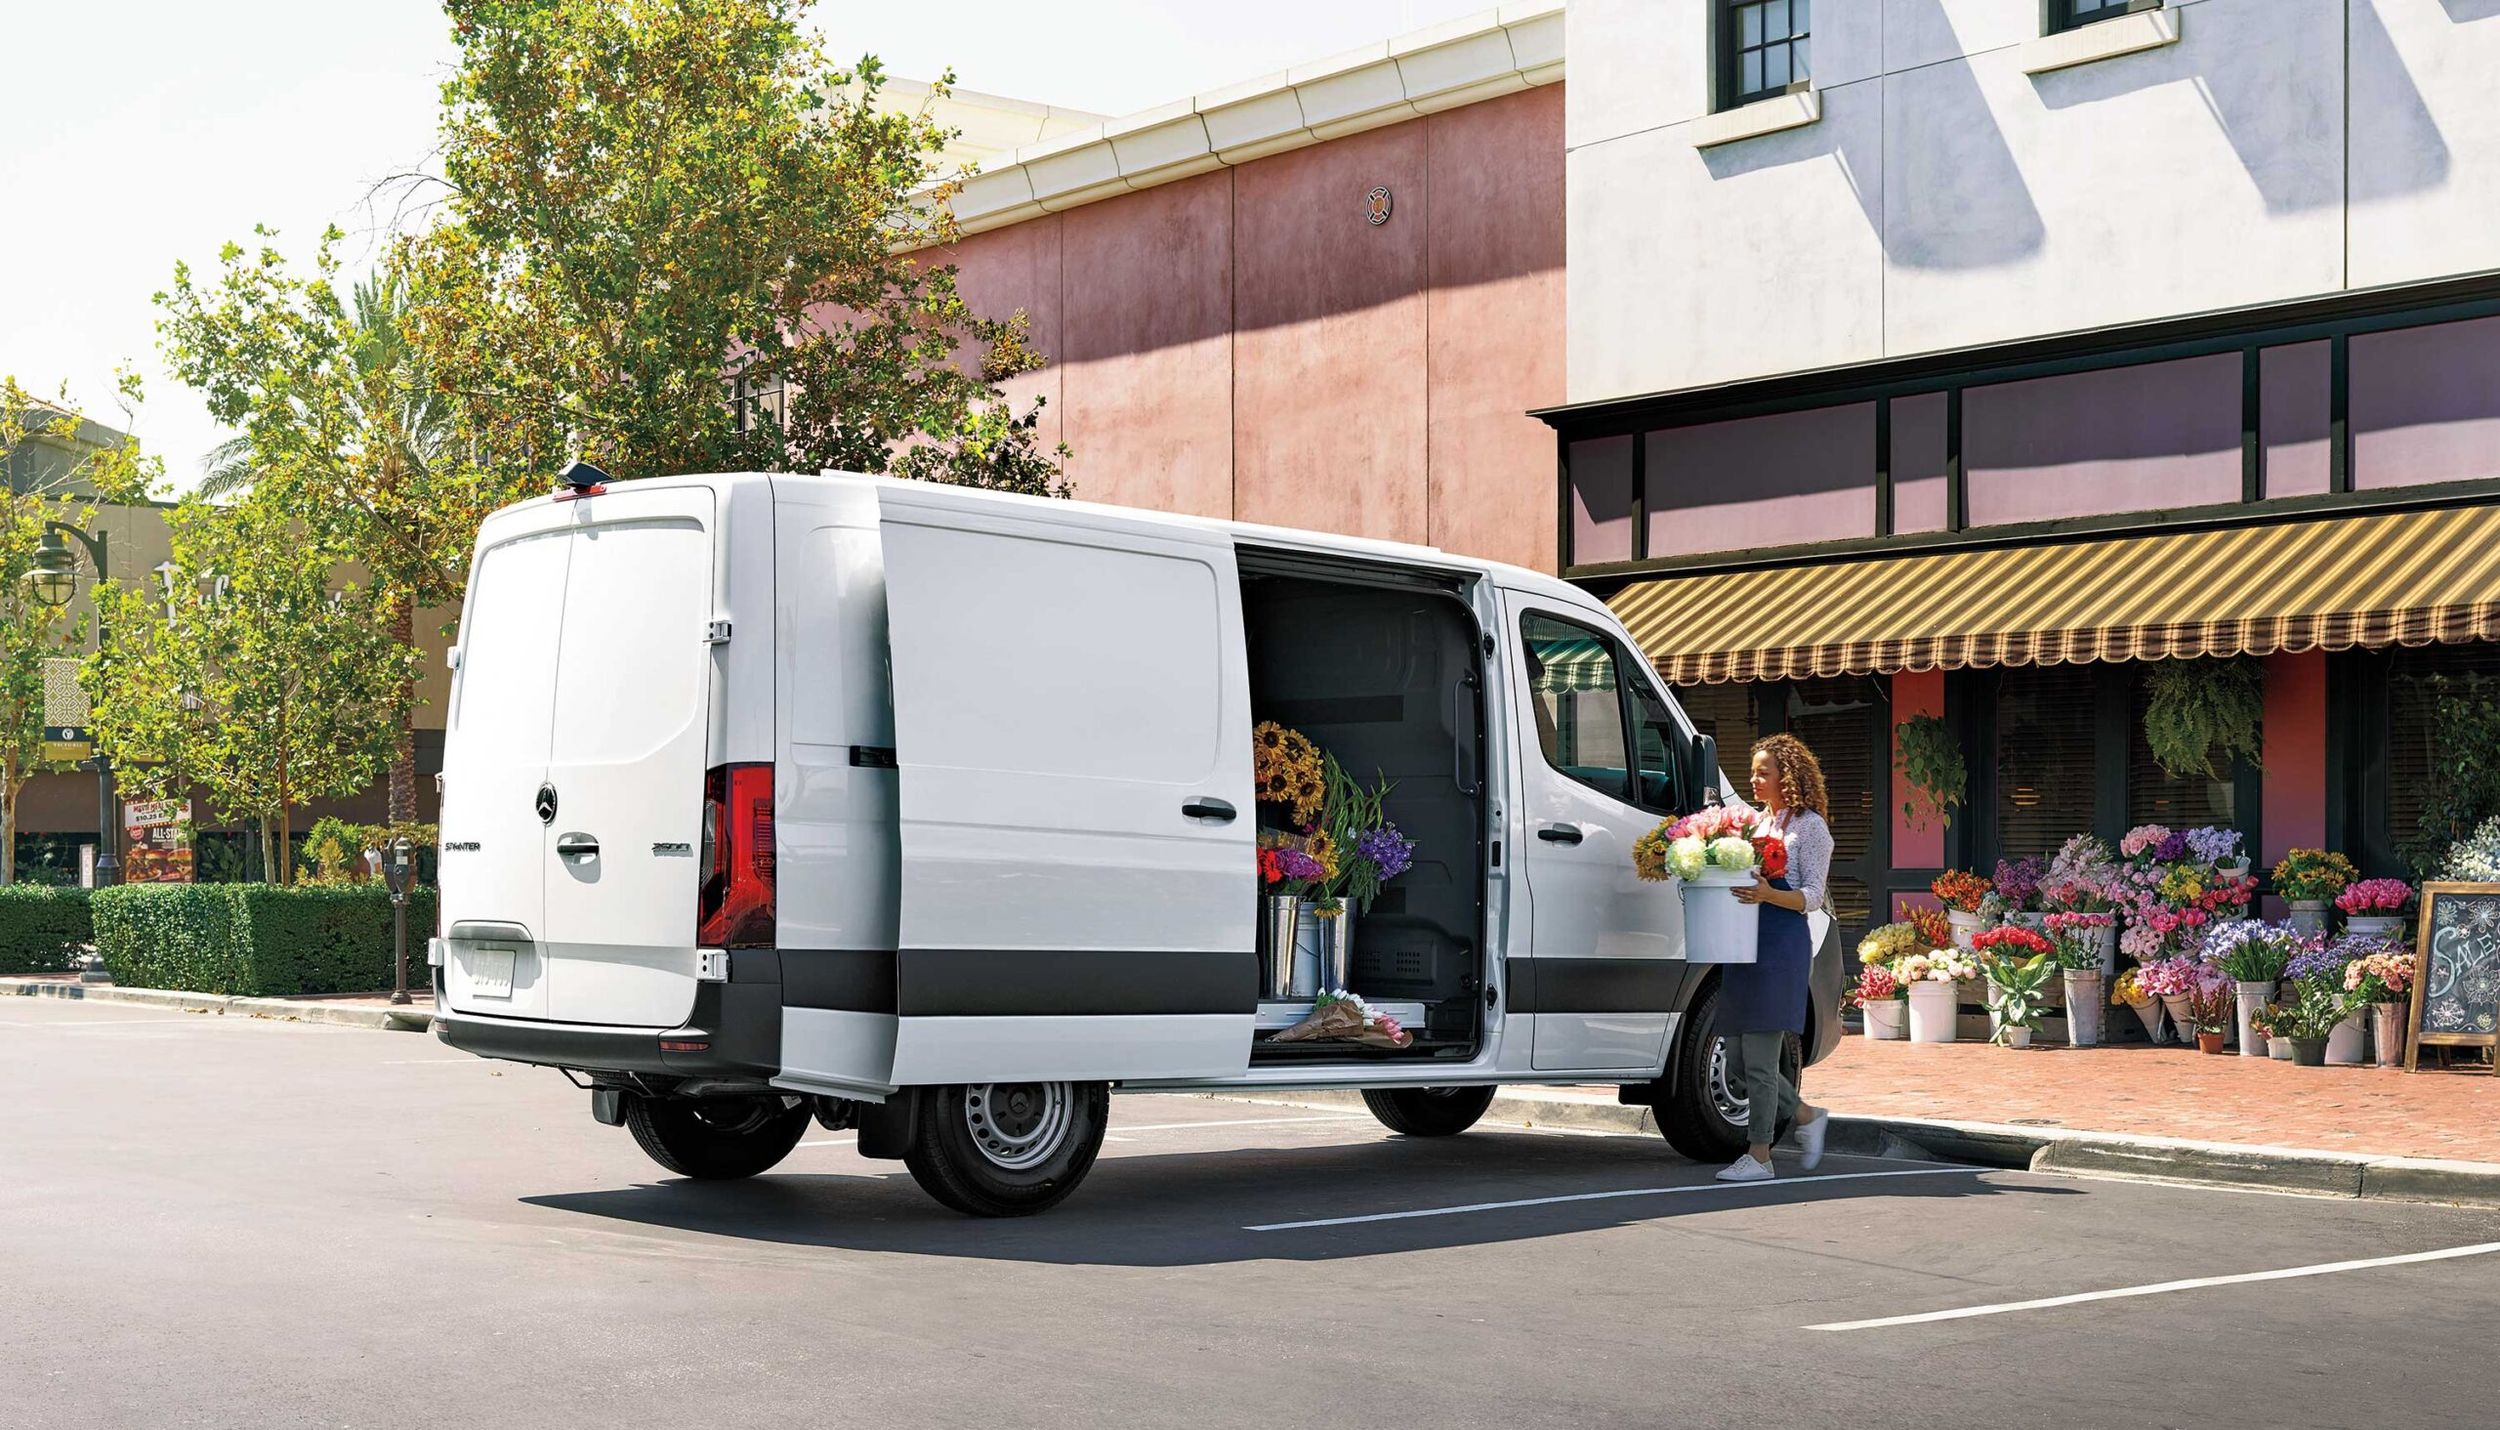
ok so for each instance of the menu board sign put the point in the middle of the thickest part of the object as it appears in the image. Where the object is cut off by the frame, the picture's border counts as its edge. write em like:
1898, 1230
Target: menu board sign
2456, 982
160, 841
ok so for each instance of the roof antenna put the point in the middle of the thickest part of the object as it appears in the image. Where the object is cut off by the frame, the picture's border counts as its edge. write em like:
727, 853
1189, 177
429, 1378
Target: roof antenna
583, 478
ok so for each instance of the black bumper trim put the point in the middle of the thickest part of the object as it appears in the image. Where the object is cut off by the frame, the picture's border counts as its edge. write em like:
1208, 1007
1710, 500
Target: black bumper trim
739, 1024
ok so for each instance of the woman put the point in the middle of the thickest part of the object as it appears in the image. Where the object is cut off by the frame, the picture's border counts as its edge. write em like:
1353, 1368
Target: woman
1762, 1002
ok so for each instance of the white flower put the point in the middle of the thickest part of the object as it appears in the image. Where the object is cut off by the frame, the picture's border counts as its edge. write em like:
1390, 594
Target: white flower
1731, 852
1687, 856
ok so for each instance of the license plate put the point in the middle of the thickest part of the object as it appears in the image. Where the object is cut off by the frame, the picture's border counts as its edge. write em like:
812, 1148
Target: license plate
490, 972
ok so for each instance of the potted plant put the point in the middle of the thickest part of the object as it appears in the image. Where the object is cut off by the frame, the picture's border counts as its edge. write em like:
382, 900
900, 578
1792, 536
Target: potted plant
2129, 989
1711, 852
2018, 891
2375, 907
2007, 942
2214, 1004
1929, 756
2020, 989
2308, 1018
2278, 1043
1882, 1001
2171, 980
2080, 882
1887, 1015
2219, 847
1961, 892
2322, 962
2078, 959
2383, 980
2309, 879
2252, 954
1931, 978
1287, 875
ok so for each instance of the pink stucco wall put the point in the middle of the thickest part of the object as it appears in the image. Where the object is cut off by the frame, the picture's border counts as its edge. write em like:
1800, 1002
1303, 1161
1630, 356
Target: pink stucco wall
1921, 845
2293, 798
1245, 344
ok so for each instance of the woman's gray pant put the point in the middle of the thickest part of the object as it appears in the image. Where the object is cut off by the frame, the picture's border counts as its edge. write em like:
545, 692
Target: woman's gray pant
1765, 1086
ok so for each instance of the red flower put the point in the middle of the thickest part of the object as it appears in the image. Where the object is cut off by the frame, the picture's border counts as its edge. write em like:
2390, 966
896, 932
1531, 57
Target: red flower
1773, 852
1271, 870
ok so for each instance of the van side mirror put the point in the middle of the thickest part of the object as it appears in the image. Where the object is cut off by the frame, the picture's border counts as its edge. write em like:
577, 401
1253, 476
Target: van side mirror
1701, 770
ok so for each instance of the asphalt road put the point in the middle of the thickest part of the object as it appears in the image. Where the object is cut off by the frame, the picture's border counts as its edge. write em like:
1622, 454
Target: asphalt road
223, 1221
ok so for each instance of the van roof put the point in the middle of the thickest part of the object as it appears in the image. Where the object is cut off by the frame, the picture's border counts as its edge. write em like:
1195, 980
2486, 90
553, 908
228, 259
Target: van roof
1079, 512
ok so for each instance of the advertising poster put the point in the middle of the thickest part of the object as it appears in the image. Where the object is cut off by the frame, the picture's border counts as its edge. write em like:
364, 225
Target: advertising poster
160, 841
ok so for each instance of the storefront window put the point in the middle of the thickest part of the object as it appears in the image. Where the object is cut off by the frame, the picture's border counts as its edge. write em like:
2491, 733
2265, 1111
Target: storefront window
1842, 719
2154, 796
2044, 753
1762, 481
2418, 682
1919, 463
1601, 500
2295, 415
2142, 438
2423, 405
1724, 712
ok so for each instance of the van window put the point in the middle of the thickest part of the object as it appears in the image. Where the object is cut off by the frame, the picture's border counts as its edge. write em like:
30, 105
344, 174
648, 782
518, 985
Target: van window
1655, 739
1572, 687
506, 694
632, 670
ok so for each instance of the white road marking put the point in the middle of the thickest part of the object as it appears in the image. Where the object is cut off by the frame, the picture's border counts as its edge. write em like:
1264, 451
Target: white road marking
2161, 1288
92, 1025
436, 1062
1119, 1133
1609, 1196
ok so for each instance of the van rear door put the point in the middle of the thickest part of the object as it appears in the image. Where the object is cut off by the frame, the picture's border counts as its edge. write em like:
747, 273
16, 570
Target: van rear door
1072, 728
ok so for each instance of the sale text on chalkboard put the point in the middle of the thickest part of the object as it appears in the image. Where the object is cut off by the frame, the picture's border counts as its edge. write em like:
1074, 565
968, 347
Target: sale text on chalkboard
2456, 982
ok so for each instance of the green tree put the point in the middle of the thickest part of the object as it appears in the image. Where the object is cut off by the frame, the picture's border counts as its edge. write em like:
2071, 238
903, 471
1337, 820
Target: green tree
247, 677
656, 204
341, 425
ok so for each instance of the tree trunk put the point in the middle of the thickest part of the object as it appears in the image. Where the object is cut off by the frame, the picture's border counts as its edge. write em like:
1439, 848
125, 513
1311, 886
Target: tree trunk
10, 784
403, 788
268, 854
286, 840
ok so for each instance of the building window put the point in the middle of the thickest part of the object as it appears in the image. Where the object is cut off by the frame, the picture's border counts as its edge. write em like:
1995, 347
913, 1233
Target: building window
1762, 49
2068, 14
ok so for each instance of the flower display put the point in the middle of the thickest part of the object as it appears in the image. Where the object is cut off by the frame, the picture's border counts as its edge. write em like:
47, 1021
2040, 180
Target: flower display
1876, 984
1934, 929
2380, 977
2142, 841
2128, 988
1718, 837
1960, 889
2018, 883
2322, 962
2081, 878
2168, 977
2214, 844
2249, 950
1287, 772
1943, 965
2375, 896
1891, 942
2475, 859
1286, 866
2307, 875
2010, 942
1389, 851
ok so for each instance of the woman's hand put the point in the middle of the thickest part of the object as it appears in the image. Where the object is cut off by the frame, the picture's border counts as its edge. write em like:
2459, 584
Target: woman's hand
1759, 892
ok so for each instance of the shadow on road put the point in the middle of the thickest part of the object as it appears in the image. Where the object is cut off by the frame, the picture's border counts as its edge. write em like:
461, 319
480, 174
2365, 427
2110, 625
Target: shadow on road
1193, 1208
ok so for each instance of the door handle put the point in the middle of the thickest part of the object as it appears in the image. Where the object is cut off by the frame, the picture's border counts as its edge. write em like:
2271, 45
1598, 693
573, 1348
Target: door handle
1204, 807
1560, 834
577, 846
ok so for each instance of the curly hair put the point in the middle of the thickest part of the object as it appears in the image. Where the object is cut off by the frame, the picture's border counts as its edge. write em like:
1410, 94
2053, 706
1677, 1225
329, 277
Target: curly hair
1801, 774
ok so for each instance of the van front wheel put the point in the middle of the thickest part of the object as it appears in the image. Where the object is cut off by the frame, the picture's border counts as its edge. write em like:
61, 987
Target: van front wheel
1007, 1148
1428, 1111
1705, 1117
717, 1138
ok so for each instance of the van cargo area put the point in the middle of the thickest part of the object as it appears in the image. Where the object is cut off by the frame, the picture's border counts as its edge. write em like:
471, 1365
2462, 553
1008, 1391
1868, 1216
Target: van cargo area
1383, 671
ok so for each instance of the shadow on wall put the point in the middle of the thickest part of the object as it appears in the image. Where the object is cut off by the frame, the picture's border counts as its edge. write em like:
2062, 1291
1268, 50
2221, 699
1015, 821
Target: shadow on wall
1954, 197
2461, 11
2286, 137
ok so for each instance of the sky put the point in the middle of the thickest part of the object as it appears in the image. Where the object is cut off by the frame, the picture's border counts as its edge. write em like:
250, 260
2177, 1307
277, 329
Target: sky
150, 132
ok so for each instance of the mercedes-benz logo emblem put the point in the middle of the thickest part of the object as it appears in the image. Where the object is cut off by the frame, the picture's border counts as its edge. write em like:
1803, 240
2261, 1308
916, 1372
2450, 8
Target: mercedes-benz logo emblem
546, 804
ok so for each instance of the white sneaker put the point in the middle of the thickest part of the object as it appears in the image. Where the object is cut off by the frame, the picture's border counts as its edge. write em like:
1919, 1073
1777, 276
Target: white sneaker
1746, 1169
1810, 1137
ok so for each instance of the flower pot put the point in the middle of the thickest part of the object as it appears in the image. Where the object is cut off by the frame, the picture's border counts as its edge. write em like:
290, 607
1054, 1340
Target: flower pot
2108, 941
2083, 1008
2309, 1052
1336, 949
1932, 1012
2150, 1012
2374, 925
1280, 920
2037, 923
2309, 915
2345, 1046
2182, 1017
2209, 1042
2233, 869
1966, 926
2018, 1037
2387, 1033
2279, 1048
1718, 927
1887, 1020
1306, 963
2254, 996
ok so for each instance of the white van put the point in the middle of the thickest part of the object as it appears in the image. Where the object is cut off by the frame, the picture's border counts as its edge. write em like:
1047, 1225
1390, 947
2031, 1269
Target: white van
928, 812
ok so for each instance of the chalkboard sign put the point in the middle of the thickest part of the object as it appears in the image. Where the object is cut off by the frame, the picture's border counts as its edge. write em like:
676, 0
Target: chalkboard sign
2456, 971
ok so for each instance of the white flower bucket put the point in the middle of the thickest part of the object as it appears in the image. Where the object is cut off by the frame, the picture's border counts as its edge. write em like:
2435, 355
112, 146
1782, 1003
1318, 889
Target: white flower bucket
2373, 925
1933, 1012
2254, 996
2106, 938
2083, 1008
2018, 1037
2279, 1049
1966, 926
2345, 1046
1885, 1020
1719, 927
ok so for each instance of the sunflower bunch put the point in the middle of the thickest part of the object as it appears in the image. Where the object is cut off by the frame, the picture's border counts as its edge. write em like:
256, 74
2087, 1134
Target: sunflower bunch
1288, 770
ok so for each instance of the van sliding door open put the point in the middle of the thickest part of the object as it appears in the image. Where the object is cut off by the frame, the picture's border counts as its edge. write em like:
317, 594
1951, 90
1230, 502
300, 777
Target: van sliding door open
1072, 729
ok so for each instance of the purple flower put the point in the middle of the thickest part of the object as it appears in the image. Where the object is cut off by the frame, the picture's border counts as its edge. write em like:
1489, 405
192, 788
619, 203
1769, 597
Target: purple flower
2018, 880
1389, 851
2171, 848
2214, 844
2322, 961
1299, 867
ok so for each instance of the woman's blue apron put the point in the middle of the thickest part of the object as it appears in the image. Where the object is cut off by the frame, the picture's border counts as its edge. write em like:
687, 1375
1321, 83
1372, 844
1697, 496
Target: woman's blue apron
1768, 995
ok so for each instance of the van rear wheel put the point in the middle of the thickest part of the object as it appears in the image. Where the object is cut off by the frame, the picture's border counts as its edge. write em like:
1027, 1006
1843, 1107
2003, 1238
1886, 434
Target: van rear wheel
717, 1138
1428, 1111
1007, 1148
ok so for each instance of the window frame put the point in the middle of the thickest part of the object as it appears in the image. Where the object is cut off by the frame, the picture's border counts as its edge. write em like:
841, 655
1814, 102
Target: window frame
1627, 722
1726, 56
2059, 16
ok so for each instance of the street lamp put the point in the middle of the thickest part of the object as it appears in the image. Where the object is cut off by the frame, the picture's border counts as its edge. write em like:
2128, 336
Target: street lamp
54, 580
398, 873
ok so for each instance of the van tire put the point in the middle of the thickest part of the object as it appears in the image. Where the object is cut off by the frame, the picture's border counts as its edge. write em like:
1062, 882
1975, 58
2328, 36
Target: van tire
716, 1138
1689, 1110
1428, 1111
1039, 1139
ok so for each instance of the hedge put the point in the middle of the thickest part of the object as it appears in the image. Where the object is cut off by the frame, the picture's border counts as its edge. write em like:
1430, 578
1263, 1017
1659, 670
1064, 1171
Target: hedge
42, 928
257, 940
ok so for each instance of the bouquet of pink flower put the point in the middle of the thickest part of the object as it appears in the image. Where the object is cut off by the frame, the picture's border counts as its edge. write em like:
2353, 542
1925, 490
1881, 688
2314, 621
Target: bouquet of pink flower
2380, 977
2170, 977
1876, 985
2375, 896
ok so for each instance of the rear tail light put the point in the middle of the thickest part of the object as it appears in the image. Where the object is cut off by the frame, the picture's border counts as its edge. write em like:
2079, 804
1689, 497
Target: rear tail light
735, 907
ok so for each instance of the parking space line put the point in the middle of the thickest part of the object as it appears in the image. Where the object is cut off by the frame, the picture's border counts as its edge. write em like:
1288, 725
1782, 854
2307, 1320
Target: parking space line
90, 1025
2161, 1288
1610, 1196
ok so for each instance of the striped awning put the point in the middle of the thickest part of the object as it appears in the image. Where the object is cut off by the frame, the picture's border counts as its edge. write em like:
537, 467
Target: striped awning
2406, 578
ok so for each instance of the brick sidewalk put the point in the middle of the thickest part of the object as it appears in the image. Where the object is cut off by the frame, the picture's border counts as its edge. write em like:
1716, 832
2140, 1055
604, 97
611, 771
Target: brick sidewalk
2169, 1092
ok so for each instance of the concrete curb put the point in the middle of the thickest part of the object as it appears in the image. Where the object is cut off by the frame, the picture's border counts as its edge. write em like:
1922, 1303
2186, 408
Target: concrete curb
2105, 1155
346, 1015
